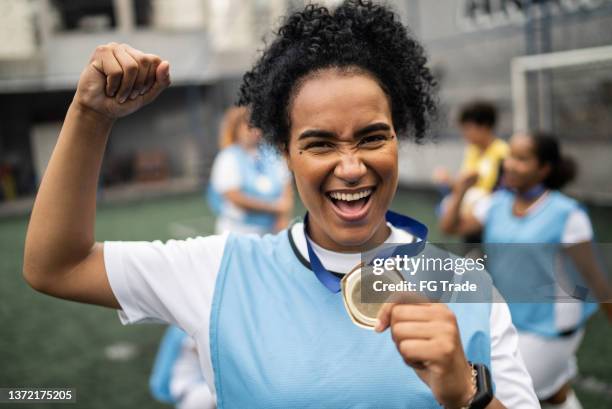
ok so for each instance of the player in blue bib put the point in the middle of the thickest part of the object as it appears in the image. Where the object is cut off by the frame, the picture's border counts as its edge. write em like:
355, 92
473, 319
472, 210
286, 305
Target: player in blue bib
250, 192
527, 228
333, 92
250, 187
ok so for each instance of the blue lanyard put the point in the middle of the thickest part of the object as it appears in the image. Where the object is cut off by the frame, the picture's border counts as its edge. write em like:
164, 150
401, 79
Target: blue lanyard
531, 194
408, 224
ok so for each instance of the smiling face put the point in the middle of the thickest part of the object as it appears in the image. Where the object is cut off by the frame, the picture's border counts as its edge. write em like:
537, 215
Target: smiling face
343, 152
522, 170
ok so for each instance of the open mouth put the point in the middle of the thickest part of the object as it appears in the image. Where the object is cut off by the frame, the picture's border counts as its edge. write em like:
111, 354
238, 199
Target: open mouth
351, 205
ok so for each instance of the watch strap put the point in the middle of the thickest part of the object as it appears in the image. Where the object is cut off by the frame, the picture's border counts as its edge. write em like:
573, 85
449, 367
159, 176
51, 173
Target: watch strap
484, 387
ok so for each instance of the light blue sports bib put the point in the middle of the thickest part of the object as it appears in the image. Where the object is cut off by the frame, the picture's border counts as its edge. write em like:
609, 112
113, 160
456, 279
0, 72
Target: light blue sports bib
260, 179
280, 339
518, 268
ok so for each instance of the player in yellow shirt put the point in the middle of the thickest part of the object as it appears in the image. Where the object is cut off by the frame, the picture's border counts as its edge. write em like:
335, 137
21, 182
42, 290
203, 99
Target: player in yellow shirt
485, 151
483, 155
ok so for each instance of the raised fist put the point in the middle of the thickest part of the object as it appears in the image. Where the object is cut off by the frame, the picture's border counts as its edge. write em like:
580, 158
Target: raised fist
120, 80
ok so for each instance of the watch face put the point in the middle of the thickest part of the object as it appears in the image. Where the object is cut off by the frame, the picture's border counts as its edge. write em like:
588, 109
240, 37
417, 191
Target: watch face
363, 314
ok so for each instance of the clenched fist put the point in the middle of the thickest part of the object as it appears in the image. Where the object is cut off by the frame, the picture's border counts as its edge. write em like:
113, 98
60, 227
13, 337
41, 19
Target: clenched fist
120, 80
427, 337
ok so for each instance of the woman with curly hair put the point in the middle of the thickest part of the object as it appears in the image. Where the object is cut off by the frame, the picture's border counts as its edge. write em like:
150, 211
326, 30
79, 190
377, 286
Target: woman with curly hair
333, 93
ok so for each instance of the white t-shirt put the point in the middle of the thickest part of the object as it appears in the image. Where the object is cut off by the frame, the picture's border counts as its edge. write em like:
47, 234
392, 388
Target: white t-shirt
225, 176
174, 283
577, 228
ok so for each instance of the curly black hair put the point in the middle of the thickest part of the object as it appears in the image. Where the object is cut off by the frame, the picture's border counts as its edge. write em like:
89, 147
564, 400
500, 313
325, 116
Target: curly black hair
358, 35
482, 113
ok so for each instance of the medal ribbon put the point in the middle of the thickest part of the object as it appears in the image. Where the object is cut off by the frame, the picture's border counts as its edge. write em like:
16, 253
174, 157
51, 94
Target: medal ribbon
408, 224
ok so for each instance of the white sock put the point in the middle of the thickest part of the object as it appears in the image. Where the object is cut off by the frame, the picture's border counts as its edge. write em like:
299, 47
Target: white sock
571, 402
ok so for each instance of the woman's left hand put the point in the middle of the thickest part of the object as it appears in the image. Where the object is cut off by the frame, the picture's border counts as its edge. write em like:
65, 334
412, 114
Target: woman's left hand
427, 337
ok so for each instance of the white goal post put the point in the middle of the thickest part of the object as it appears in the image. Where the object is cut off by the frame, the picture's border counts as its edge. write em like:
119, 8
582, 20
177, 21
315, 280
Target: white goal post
521, 66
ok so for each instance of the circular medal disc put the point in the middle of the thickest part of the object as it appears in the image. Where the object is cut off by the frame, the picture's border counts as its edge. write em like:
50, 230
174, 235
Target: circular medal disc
363, 314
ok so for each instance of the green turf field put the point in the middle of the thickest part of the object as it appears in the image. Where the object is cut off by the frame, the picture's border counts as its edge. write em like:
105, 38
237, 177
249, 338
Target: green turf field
52, 343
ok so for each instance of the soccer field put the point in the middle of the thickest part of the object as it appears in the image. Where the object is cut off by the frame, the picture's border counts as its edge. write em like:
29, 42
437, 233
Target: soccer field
46, 342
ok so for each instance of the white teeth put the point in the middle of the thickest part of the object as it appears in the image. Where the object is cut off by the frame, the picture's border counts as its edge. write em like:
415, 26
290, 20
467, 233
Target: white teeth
349, 197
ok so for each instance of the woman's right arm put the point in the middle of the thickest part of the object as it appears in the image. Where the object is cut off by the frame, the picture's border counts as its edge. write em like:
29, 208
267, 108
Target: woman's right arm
584, 257
452, 221
61, 256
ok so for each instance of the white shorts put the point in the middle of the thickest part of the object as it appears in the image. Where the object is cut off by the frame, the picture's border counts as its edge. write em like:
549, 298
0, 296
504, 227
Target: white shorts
187, 382
551, 362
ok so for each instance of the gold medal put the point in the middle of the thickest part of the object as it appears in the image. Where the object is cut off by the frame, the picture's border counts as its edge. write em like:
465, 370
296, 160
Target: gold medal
363, 314
352, 285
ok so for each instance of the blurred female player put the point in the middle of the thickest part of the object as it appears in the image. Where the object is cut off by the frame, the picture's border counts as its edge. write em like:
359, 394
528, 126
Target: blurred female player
250, 191
250, 188
532, 210
333, 92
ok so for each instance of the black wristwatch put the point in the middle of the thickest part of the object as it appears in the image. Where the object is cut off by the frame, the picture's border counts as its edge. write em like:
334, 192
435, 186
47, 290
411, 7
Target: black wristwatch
484, 387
